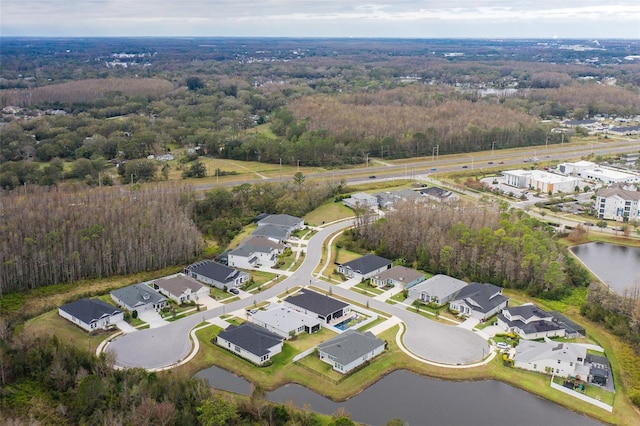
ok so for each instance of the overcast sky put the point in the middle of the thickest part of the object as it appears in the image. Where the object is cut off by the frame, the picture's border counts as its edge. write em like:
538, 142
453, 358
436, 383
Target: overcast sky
323, 18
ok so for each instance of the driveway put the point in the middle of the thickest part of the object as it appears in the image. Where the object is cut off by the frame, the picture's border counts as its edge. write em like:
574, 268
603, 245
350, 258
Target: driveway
124, 326
152, 318
157, 348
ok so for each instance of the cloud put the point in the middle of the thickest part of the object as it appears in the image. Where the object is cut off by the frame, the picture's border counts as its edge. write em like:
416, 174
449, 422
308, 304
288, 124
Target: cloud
317, 17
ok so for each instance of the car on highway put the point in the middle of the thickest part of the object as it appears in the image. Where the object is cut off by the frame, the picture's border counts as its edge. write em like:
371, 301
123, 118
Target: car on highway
502, 162
433, 169
465, 167
490, 162
372, 177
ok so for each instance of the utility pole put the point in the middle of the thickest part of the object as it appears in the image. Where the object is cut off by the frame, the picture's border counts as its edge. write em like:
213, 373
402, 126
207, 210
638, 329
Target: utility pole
493, 144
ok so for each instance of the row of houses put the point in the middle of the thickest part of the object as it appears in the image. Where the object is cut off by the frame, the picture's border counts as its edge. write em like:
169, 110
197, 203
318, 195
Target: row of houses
386, 200
266, 243
307, 311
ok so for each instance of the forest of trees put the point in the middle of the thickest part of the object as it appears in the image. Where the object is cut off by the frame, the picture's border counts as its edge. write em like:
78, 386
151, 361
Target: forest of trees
478, 243
222, 213
67, 234
47, 381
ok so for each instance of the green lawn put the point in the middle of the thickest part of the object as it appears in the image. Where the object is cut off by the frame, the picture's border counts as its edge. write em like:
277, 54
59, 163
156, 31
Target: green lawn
368, 288
329, 211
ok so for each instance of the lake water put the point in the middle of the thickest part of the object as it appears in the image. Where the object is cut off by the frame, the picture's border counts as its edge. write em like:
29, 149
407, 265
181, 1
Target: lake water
419, 400
617, 266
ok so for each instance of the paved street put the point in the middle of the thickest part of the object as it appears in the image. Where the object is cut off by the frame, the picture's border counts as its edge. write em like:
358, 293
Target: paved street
161, 347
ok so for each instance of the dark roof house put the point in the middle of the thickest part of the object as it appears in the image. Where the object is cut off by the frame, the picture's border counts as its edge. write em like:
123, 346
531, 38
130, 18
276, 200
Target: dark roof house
364, 267
479, 300
138, 297
250, 341
322, 306
216, 274
90, 314
350, 349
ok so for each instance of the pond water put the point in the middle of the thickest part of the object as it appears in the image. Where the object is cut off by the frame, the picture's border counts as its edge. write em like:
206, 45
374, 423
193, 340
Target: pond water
617, 266
419, 400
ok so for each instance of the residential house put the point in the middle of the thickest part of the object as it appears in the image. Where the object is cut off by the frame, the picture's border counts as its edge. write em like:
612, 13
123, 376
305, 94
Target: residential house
479, 301
561, 359
438, 194
284, 220
618, 203
181, 288
398, 276
327, 309
361, 200
277, 234
439, 289
255, 252
139, 297
571, 329
529, 322
91, 314
350, 349
386, 200
364, 267
285, 322
216, 274
251, 342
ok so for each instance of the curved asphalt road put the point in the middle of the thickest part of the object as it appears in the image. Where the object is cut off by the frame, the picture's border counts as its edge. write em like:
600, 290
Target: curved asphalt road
164, 346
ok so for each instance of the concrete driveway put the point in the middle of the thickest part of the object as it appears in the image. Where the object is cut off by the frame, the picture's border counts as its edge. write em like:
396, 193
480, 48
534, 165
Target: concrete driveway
125, 327
152, 318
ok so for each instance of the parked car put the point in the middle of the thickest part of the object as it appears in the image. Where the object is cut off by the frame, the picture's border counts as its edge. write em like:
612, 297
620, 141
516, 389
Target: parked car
234, 290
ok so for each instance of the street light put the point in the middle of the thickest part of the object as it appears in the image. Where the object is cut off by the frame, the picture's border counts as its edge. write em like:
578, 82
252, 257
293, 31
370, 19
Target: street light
493, 145
298, 165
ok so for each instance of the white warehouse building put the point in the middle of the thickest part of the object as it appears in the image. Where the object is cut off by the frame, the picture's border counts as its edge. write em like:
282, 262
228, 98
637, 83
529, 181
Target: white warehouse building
540, 180
592, 171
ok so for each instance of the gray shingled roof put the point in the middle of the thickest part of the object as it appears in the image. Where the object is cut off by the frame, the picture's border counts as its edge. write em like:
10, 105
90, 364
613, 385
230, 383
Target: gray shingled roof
316, 302
367, 263
178, 284
484, 295
440, 286
214, 270
250, 337
400, 273
138, 293
273, 231
280, 220
89, 310
350, 346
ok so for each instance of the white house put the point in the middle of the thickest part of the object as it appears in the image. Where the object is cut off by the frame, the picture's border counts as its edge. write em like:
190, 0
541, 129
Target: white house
361, 200
285, 322
317, 305
529, 322
216, 274
561, 359
479, 301
91, 314
439, 289
617, 203
364, 267
398, 276
181, 288
139, 297
251, 342
350, 349
255, 252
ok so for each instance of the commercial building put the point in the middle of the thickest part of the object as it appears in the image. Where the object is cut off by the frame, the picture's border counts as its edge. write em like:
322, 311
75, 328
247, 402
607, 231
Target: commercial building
538, 180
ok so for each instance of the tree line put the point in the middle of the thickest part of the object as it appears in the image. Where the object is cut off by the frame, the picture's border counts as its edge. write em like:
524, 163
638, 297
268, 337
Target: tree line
65, 234
478, 243
47, 381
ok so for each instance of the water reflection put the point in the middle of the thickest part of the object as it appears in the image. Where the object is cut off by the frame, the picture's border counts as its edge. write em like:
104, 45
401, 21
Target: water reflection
419, 400
617, 266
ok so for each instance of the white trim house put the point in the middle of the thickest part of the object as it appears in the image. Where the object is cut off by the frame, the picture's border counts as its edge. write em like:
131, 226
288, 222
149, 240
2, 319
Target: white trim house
559, 358
251, 342
285, 322
350, 349
91, 314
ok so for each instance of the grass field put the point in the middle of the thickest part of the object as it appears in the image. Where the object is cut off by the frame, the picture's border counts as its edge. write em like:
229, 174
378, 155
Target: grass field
329, 211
